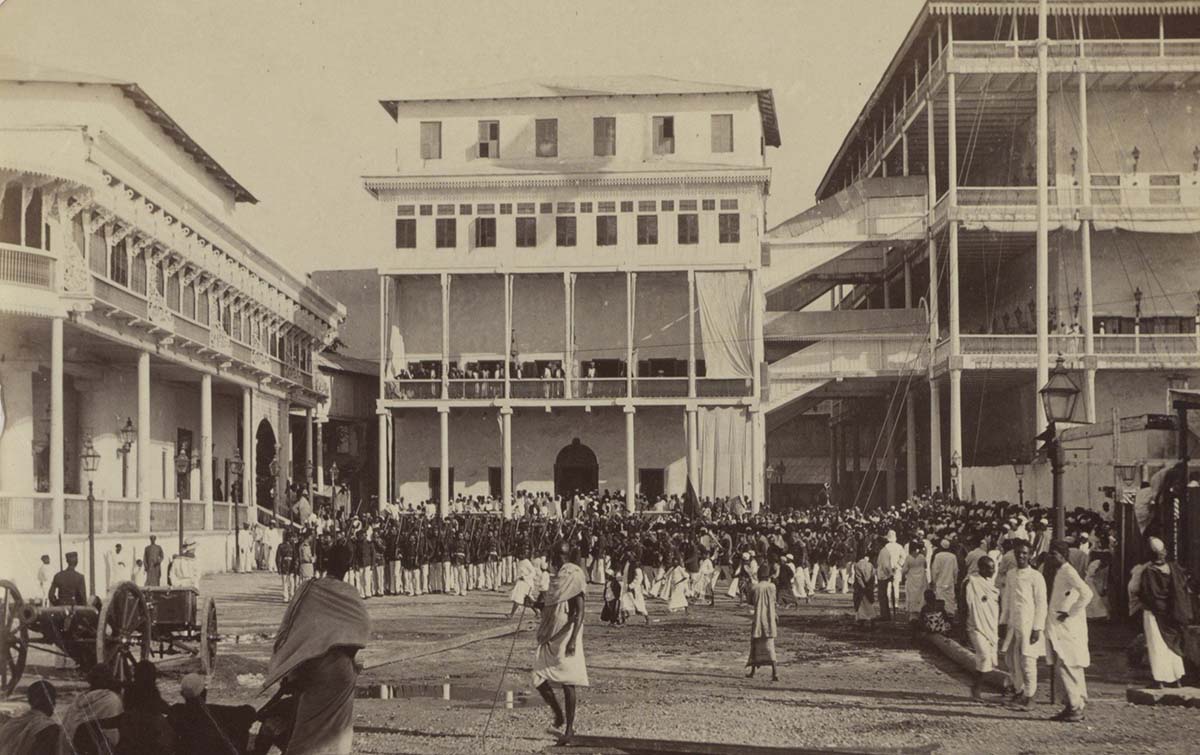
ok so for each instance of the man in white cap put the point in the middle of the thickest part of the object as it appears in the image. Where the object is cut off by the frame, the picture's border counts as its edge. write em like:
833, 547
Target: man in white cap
1158, 589
982, 612
184, 571
943, 572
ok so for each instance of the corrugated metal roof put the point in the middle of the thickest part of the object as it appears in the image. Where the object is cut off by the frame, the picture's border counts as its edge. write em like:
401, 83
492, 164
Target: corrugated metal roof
21, 71
600, 86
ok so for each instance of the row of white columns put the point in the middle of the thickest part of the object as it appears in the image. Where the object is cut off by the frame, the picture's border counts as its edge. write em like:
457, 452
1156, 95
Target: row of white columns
144, 420
386, 457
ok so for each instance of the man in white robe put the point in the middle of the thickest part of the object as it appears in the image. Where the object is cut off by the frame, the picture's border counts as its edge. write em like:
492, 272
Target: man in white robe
943, 572
1023, 611
889, 567
117, 567
983, 612
1067, 631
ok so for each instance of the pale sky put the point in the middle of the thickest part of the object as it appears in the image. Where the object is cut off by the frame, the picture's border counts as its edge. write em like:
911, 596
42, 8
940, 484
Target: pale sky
284, 93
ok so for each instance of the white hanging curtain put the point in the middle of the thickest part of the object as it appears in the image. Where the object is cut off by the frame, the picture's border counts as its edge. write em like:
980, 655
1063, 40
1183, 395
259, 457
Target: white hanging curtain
724, 299
725, 445
396, 355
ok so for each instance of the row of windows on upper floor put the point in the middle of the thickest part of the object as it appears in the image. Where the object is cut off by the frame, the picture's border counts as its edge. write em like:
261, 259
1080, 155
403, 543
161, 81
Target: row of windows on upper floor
566, 230
604, 137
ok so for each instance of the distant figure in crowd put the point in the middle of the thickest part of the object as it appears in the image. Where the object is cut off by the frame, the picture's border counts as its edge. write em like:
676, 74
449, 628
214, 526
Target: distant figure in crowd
763, 629
943, 574
1023, 611
152, 557
890, 568
183, 571
916, 579
285, 564
983, 613
1158, 589
35, 732
1067, 631
144, 727
68, 587
863, 573
204, 729
117, 567
323, 628
91, 724
559, 660
45, 573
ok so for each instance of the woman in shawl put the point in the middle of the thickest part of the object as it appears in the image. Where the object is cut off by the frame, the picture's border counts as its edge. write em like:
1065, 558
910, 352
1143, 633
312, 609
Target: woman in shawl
916, 578
324, 626
611, 612
762, 631
1159, 589
865, 609
633, 598
559, 660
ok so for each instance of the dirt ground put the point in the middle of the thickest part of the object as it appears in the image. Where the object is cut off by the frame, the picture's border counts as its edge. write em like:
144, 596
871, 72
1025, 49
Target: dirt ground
680, 678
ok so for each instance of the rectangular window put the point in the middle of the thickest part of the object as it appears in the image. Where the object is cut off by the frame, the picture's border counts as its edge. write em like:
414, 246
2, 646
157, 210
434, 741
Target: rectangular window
687, 205
722, 133
604, 136
526, 208
708, 204
464, 209
506, 208
647, 229
627, 206
486, 209
564, 230
118, 268
565, 208
489, 139
728, 204
608, 207
689, 228
586, 206
431, 140
546, 134
426, 209
406, 210
406, 233
646, 205
189, 301
202, 309
447, 233
668, 205
526, 232
664, 134
485, 233
546, 208
729, 225
445, 209
606, 230
173, 293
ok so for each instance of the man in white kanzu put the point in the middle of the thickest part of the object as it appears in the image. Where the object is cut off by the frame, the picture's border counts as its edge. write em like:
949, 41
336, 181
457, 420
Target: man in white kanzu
1067, 631
559, 660
1023, 610
184, 572
983, 605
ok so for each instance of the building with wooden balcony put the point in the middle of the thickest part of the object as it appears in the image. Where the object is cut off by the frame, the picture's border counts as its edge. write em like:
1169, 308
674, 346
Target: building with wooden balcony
136, 320
1046, 178
569, 291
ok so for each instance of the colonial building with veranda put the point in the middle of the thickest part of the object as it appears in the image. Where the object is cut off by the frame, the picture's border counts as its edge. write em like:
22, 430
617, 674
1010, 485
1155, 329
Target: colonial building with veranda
1047, 182
570, 294
137, 324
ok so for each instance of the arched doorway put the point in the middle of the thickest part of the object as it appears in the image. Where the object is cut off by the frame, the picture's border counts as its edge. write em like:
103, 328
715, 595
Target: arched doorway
576, 470
264, 454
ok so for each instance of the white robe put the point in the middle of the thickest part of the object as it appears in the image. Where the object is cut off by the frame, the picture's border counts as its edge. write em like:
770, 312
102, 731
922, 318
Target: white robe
944, 577
1069, 638
983, 613
1023, 609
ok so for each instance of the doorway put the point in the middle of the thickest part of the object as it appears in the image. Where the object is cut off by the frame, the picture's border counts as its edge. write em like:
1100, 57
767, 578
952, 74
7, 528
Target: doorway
576, 470
652, 483
264, 454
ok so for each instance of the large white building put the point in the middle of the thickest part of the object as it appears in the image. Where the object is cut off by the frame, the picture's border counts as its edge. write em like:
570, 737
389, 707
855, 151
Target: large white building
136, 320
916, 385
569, 289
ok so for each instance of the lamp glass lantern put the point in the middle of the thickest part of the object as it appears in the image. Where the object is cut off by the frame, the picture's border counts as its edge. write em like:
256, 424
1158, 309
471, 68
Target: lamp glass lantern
183, 464
128, 434
89, 458
1127, 472
1059, 394
1018, 468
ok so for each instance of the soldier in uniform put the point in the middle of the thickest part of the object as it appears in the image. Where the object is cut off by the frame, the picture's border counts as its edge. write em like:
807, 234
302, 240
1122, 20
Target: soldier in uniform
411, 572
285, 564
461, 547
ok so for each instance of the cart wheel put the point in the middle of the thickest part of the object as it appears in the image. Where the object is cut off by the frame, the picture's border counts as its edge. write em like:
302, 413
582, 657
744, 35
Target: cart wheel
123, 634
14, 638
209, 637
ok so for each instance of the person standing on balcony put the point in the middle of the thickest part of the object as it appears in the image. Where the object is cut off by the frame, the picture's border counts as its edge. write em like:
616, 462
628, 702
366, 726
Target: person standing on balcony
152, 559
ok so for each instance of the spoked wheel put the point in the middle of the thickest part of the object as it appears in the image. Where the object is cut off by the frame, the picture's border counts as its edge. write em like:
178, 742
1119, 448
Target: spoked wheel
123, 634
209, 637
14, 638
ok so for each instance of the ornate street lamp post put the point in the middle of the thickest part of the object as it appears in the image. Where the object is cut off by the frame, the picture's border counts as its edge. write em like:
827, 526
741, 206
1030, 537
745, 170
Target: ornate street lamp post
1019, 470
128, 435
90, 460
955, 468
183, 465
1059, 395
235, 473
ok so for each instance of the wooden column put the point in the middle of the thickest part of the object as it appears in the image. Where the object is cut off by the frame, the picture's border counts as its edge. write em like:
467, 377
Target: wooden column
206, 449
506, 470
1042, 294
1085, 244
57, 437
444, 469
143, 441
630, 461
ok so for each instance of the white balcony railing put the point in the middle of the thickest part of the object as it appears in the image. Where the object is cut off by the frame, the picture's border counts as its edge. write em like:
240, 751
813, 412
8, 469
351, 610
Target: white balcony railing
26, 266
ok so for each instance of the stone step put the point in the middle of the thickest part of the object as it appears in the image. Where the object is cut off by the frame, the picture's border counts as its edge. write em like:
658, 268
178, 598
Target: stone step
1183, 696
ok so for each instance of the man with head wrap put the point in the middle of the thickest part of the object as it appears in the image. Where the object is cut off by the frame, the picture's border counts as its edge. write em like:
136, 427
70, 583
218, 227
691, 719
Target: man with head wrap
982, 604
34, 732
943, 573
324, 626
1067, 630
560, 660
1158, 589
